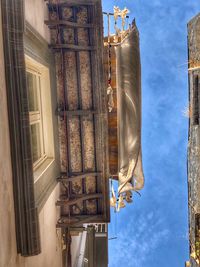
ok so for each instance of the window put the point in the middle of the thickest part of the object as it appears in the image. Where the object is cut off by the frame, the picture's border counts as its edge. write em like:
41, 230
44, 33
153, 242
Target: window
196, 101
35, 117
40, 116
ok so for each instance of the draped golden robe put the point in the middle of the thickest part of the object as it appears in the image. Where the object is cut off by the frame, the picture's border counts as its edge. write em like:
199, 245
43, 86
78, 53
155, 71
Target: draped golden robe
130, 175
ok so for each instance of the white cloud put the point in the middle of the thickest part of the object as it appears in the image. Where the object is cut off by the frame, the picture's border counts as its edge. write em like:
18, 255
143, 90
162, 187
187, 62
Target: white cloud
134, 248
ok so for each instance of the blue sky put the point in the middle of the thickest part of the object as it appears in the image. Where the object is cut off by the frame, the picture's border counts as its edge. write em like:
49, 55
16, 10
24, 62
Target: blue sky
152, 232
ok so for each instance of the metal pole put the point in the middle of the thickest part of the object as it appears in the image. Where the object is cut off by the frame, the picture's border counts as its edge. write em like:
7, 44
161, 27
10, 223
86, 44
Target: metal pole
112, 14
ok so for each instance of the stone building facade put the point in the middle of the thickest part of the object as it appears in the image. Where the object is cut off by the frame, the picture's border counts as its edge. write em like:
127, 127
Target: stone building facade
194, 140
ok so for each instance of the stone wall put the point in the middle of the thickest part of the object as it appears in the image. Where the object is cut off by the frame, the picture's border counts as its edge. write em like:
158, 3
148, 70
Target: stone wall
7, 226
50, 237
194, 133
36, 12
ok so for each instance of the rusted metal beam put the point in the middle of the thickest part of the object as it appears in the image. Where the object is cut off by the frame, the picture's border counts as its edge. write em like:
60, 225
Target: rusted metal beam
70, 3
54, 23
76, 112
78, 199
76, 39
72, 196
81, 112
72, 47
77, 217
112, 14
76, 229
66, 178
68, 248
78, 220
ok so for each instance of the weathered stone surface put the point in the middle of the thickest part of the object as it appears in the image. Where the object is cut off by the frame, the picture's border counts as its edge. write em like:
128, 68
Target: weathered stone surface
194, 41
83, 37
91, 206
88, 141
53, 15
75, 145
86, 85
54, 36
90, 185
80, 88
82, 15
68, 36
71, 81
67, 13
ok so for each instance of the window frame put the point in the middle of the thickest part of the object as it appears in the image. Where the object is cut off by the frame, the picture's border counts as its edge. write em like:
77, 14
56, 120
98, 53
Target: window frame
37, 49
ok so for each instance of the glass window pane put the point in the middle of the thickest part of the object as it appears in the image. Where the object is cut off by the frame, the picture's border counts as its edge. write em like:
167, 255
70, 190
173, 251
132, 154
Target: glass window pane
32, 91
36, 142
